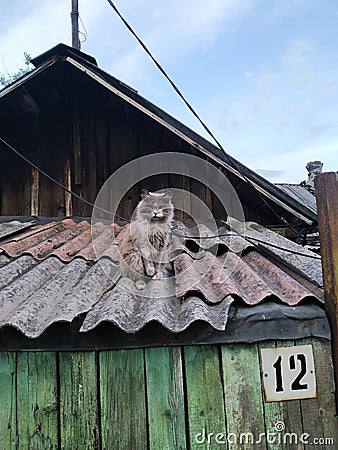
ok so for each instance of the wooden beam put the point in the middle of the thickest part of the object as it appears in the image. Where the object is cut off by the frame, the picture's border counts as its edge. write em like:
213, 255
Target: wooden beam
35, 192
326, 186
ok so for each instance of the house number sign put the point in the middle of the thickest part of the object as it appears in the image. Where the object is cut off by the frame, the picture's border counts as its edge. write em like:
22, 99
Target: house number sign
288, 373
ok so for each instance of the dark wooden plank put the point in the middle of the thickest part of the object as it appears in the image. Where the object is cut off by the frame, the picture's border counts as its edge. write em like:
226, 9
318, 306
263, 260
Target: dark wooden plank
78, 401
243, 396
123, 149
318, 414
52, 160
327, 205
205, 397
8, 402
101, 144
77, 156
37, 405
284, 414
123, 400
165, 398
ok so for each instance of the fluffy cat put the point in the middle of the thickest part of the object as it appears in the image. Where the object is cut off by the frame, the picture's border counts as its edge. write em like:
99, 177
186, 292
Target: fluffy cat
143, 248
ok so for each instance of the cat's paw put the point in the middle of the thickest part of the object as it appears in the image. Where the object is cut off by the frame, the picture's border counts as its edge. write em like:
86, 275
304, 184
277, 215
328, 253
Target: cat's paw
151, 271
157, 276
140, 285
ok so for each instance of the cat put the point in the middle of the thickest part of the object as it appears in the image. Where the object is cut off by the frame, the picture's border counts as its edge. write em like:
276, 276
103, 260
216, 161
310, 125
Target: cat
143, 249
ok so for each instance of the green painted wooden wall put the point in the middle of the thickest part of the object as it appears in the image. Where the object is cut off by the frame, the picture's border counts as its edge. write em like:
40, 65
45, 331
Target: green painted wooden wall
156, 398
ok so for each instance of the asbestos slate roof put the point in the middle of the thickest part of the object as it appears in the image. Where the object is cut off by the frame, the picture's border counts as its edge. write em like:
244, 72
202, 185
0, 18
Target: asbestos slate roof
52, 273
301, 194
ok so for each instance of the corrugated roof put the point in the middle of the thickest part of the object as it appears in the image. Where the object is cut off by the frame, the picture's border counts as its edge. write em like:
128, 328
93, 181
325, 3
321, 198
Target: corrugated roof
50, 273
301, 194
65, 240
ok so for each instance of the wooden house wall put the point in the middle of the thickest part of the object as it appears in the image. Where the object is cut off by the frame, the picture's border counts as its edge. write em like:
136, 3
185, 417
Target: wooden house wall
155, 398
80, 139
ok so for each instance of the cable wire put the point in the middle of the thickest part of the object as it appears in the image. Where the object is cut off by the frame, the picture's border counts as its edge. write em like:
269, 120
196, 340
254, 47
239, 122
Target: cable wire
250, 239
231, 160
83, 200
128, 221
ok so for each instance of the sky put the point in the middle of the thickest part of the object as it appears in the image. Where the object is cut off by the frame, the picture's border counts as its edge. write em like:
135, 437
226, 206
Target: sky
262, 74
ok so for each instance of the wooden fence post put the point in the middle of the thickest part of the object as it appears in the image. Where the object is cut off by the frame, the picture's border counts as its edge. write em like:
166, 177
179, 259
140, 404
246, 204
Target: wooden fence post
326, 186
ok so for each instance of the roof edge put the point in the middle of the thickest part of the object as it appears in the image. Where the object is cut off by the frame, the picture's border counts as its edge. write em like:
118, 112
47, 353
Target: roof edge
62, 50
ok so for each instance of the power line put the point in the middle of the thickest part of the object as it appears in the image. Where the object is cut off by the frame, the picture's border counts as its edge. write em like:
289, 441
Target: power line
249, 239
83, 200
231, 160
128, 221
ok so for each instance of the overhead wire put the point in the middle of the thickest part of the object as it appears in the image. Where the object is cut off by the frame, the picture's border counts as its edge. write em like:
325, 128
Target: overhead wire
231, 160
45, 174
249, 239
42, 172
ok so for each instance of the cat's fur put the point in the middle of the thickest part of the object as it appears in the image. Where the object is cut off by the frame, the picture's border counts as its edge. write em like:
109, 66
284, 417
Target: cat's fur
143, 248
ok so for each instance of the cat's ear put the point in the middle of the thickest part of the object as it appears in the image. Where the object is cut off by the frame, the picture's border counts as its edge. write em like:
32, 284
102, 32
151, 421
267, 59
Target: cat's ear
145, 193
168, 194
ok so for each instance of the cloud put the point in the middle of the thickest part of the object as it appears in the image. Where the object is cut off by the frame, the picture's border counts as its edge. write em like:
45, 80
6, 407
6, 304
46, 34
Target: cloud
293, 162
34, 27
171, 30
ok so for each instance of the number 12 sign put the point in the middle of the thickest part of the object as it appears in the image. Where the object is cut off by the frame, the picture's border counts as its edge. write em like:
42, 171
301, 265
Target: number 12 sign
288, 373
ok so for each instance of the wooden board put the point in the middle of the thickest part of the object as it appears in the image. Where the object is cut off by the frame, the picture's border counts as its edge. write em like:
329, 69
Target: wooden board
165, 398
317, 413
123, 400
8, 403
285, 414
78, 401
243, 397
205, 397
37, 407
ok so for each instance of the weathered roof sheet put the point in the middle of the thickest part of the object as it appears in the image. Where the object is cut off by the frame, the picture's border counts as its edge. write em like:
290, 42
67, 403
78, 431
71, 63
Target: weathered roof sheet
301, 194
50, 273
9, 228
66, 240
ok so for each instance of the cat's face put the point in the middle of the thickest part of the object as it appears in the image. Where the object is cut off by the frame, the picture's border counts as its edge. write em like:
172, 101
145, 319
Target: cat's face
155, 207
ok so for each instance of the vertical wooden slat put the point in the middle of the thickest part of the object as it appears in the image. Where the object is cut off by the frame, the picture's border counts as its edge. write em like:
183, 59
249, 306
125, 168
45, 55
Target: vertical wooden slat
288, 412
68, 196
165, 398
77, 148
8, 403
327, 206
78, 401
319, 413
123, 147
37, 400
35, 193
205, 397
243, 397
122, 395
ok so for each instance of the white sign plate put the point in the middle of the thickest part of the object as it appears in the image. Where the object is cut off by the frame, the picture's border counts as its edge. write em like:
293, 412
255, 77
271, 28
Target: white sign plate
288, 373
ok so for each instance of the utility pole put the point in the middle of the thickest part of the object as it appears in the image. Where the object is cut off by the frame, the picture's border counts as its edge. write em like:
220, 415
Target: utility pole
326, 186
75, 25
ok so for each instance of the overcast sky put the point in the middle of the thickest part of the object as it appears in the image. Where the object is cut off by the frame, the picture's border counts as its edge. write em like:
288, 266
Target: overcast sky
263, 74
